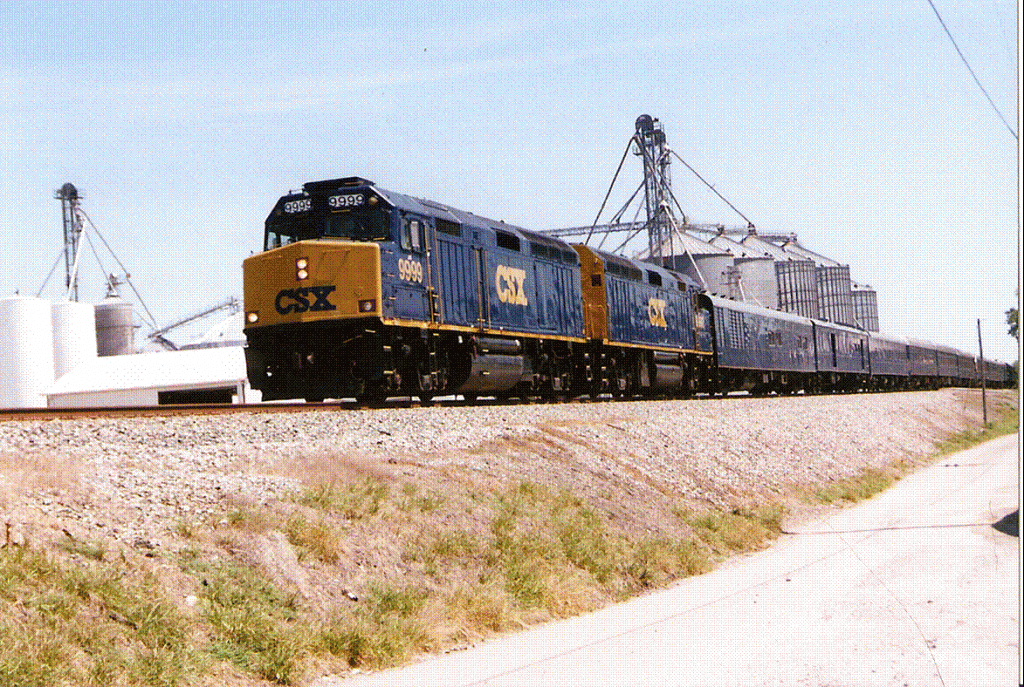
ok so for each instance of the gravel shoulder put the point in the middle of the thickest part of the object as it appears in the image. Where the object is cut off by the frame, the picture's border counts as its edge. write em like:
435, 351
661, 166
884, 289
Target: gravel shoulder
131, 478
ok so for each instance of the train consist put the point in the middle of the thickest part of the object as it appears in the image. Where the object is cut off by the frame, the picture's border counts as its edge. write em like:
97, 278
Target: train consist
362, 292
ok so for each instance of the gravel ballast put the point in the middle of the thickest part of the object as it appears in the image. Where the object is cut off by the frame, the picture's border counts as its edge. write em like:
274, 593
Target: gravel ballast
133, 479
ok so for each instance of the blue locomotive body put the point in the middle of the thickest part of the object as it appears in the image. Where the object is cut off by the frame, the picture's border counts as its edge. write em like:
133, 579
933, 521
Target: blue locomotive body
456, 269
649, 305
427, 299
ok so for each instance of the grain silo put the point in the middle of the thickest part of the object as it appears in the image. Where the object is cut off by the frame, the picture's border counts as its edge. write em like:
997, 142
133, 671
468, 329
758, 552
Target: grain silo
835, 289
797, 277
753, 277
74, 335
26, 351
865, 307
115, 326
707, 265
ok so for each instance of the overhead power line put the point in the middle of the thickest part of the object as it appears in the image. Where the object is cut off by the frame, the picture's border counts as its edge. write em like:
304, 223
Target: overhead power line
966, 64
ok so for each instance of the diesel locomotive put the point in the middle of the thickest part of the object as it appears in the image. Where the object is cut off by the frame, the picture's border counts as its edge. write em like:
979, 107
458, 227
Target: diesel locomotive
367, 293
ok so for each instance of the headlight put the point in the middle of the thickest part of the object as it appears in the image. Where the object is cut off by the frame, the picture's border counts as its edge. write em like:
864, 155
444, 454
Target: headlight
302, 268
252, 317
367, 305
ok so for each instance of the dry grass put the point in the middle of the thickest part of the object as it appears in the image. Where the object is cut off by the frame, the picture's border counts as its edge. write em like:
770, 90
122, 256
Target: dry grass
82, 622
364, 566
35, 472
875, 480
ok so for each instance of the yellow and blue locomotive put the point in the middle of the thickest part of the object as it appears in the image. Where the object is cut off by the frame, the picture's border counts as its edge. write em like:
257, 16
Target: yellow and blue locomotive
363, 292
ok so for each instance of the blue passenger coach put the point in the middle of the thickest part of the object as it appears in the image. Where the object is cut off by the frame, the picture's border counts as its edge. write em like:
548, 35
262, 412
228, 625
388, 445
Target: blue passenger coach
841, 354
760, 350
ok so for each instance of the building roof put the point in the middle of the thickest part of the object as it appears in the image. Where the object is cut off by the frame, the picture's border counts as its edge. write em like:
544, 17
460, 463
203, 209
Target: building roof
208, 368
767, 249
734, 248
793, 246
227, 332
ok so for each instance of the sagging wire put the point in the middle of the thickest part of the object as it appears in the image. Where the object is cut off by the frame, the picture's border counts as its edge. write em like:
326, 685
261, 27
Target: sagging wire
750, 225
52, 270
617, 217
124, 270
634, 234
975, 76
610, 187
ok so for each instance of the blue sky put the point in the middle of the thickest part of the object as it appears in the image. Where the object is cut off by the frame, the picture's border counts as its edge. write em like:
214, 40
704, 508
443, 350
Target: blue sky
853, 124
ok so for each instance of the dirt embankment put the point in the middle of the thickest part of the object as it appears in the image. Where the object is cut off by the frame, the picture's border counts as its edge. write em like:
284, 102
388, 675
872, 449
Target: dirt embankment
334, 506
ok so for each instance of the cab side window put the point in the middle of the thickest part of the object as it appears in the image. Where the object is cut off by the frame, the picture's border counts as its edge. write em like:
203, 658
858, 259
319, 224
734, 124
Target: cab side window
412, 235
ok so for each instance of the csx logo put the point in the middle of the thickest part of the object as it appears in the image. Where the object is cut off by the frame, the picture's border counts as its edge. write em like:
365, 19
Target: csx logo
656, 312
298, 300
509, 282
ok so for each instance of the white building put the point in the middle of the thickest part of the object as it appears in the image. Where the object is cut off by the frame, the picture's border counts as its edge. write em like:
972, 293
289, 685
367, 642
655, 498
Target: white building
209, 375
48, 358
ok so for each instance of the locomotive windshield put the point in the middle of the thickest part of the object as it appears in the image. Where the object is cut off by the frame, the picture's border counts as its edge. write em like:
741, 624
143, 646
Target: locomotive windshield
301, 219
361, 225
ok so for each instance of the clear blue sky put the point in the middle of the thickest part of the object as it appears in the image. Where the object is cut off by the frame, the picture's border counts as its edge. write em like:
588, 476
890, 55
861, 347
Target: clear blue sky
853, 124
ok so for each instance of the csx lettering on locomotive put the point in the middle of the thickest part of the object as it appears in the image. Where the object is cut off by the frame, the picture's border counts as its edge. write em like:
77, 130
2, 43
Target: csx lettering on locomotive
509, 282
656, 312
297, 300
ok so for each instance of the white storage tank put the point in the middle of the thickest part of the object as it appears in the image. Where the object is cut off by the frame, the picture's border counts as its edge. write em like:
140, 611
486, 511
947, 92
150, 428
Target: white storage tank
115, 327
753, 280
705, 264
26, 351
757, 282
709, 269
74, 335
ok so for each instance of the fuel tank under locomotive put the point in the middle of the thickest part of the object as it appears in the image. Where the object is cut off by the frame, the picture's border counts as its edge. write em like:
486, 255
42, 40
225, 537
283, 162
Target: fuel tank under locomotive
668, 373
493, 366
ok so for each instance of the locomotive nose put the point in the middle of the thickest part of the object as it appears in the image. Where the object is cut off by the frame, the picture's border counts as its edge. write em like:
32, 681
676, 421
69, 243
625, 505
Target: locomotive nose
312, 281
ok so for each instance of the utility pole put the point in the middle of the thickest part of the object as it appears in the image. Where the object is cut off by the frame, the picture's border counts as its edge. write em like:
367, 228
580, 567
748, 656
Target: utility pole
981, 367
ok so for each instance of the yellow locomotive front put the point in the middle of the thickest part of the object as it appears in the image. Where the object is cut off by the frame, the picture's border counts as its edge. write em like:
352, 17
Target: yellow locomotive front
313, 297
312, 281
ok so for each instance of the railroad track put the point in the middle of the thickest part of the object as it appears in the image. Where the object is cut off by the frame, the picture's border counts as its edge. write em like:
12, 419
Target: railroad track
229, 408
198, 409
300, 406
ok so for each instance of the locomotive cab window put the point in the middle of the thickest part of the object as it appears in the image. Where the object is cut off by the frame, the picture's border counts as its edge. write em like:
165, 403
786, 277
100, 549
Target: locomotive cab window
283, 233
367, 225
412, 235
448, 227
301, 220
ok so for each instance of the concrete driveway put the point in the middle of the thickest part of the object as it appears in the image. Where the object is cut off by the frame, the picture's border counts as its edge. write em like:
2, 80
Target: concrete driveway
914, 587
